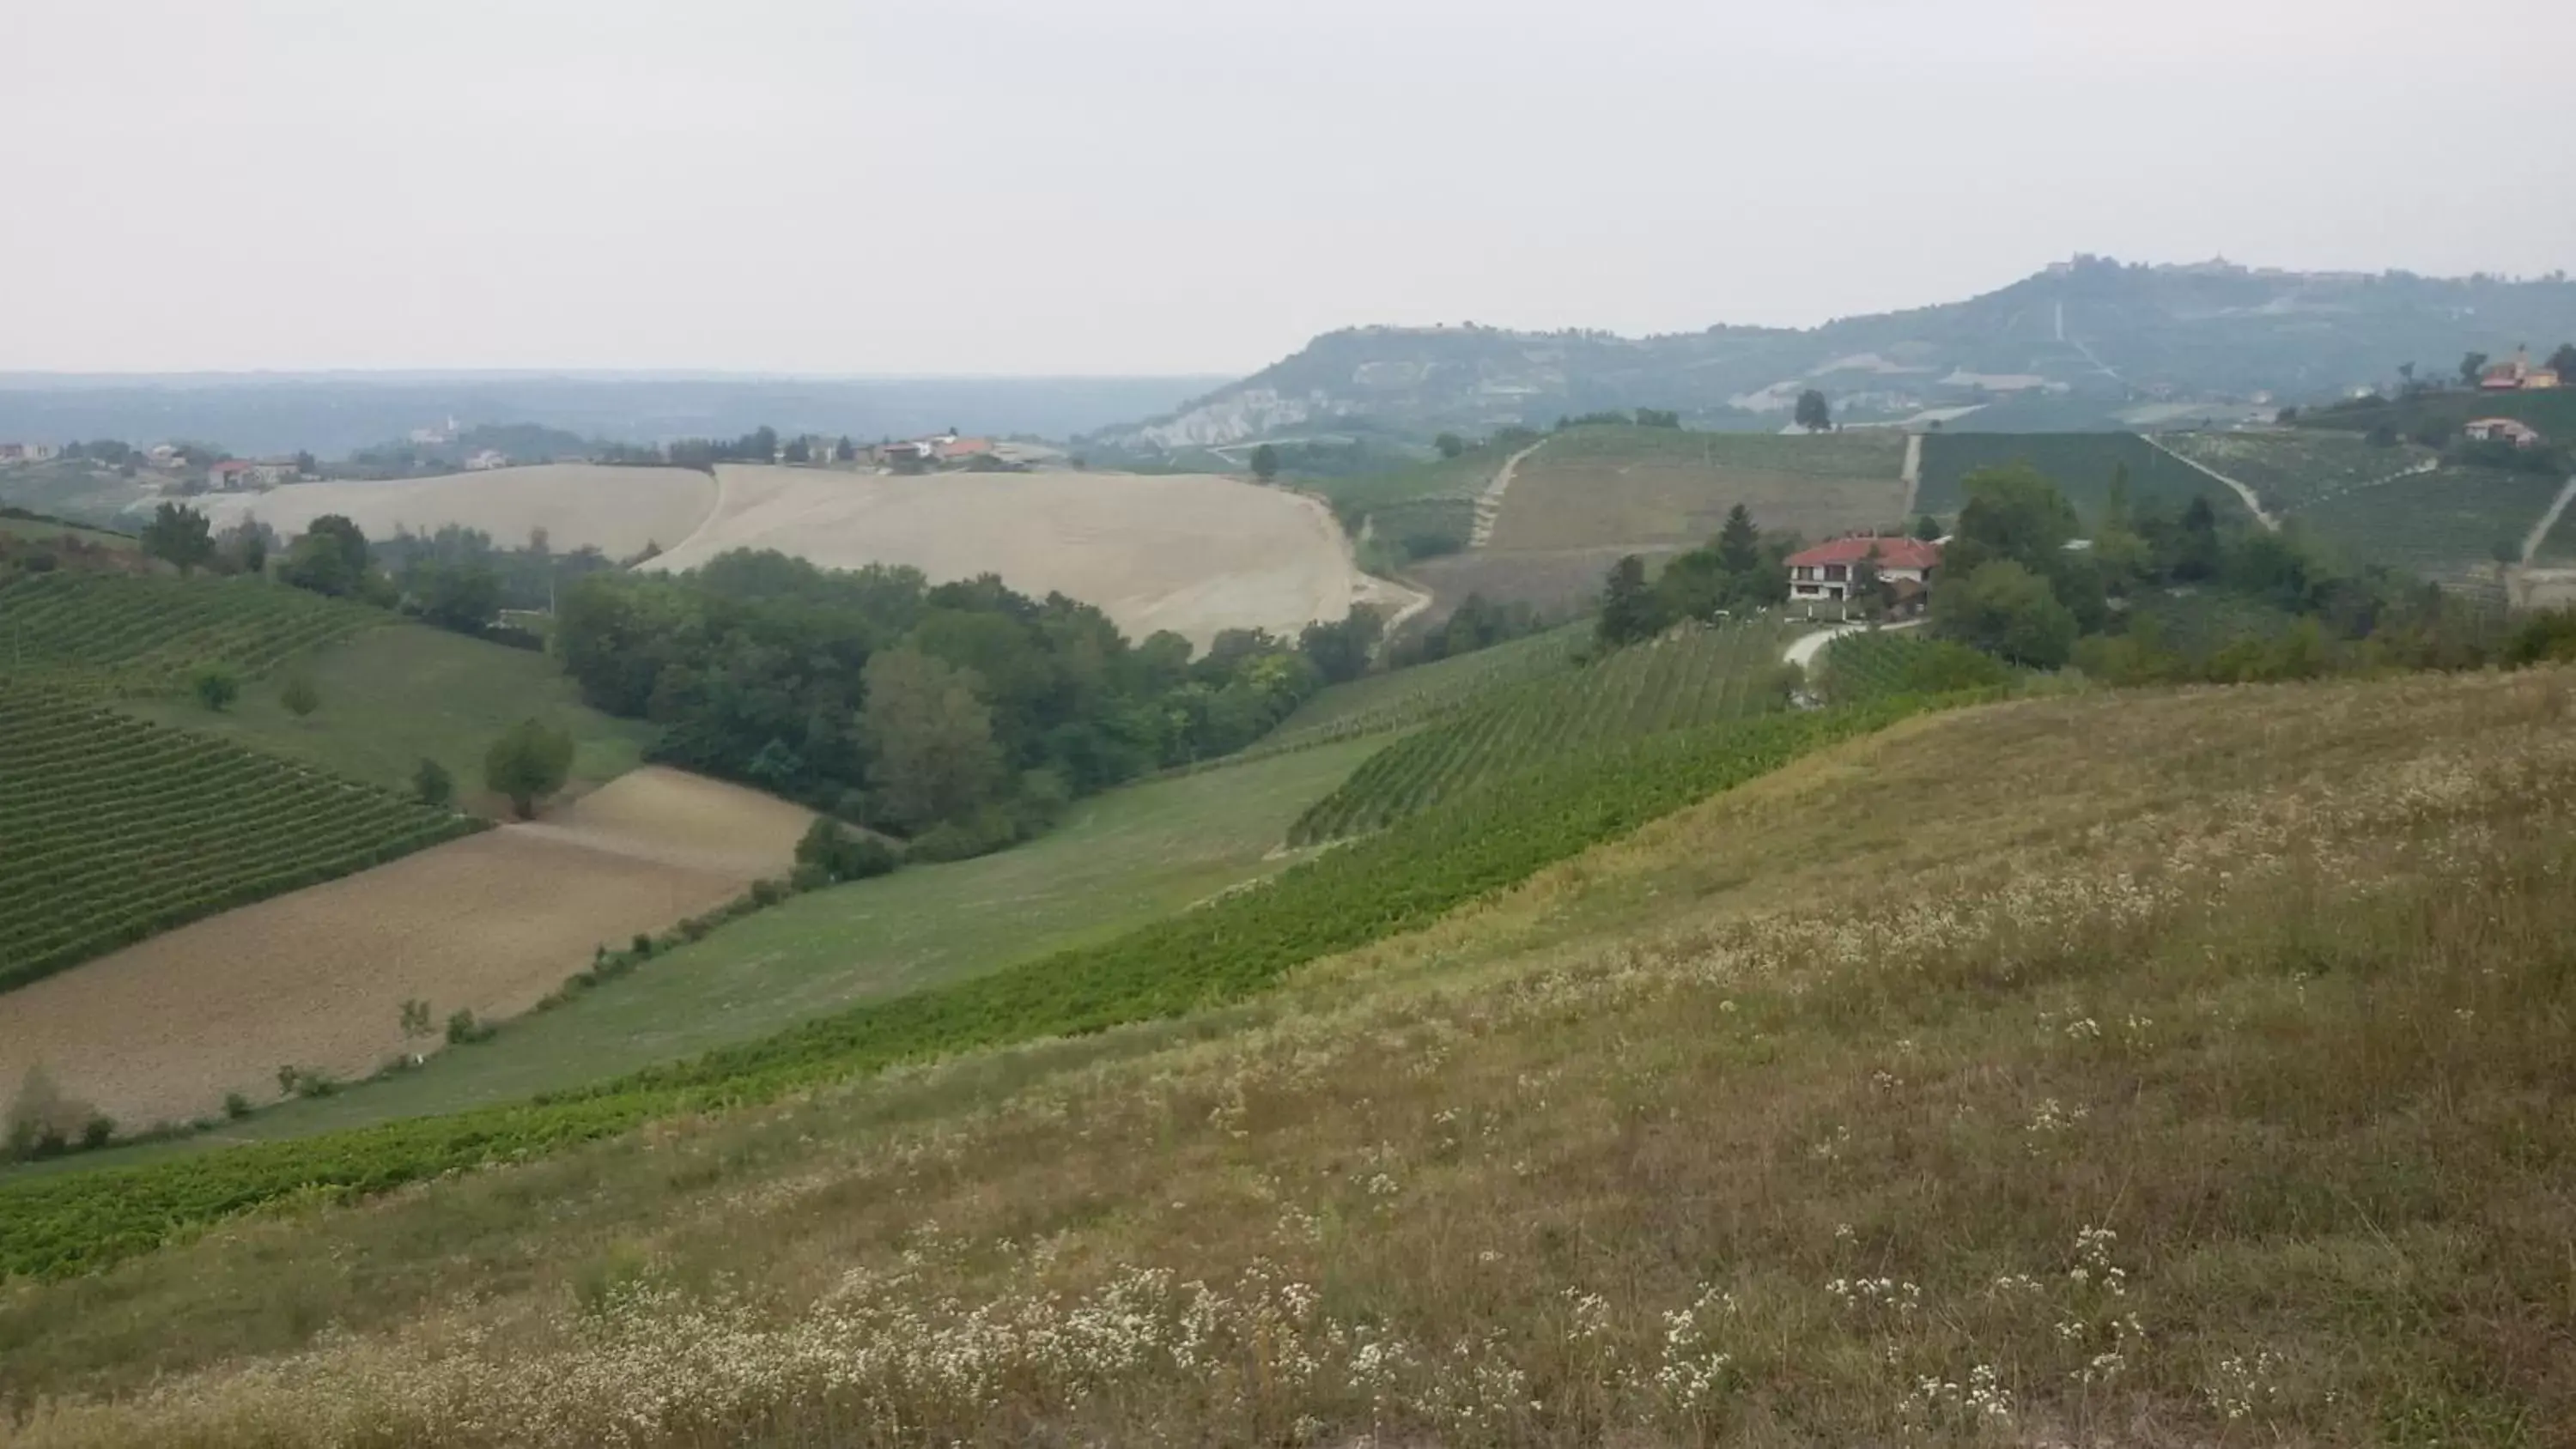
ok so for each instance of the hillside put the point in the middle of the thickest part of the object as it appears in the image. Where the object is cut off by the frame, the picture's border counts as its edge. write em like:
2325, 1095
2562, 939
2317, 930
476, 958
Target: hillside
126, 635
2204, 1078
2076, 346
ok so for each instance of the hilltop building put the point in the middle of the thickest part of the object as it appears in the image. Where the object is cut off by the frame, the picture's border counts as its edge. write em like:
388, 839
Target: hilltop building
2517, 375
1823, 574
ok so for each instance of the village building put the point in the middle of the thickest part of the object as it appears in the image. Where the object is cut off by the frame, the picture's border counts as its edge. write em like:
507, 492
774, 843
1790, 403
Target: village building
2517, 375
2503, 430
1824, 574
487, 460
28, 452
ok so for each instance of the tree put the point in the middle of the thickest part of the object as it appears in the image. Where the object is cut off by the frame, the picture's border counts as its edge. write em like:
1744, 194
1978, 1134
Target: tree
2011, 513
2197, 551
330, 558
1926, 528
243, 548
932, 738
798, 451
2007, 611
2563, 362
1629, 609
463, 596
179, 535
1814, 413
431, 782
299, 695
1739, 543
845, 451
2472, 367
1449, 444
306, 465
1868, 586
528, 763
216, 687
830, 853
1340, 651
1265, 462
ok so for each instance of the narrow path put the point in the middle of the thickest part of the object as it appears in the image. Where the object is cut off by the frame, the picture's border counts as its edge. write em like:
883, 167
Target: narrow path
1911, 475
2540, 531
1489, 504
2253, 504
1803, 650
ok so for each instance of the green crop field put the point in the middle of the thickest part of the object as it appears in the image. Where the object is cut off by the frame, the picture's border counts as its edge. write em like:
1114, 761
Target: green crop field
42, 529
113, 829
1429, 505
1694, 677
2552, 411
115, 634
67, 1222
1594, 487
2080, 464
2290, 471
1403, 698
1118, 861
2450, 526
394, 696
1884, 663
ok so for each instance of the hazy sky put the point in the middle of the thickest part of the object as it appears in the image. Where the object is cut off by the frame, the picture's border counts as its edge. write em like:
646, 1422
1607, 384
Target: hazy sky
1106, 186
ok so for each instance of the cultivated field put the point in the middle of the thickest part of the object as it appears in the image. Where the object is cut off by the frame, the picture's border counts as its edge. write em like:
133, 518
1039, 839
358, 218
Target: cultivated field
1559, 582
1192, 554
396, 695
2290, 471
315, 979
1118, 861
1696, 676
1379, 703
1635, 488
2202, 1079
2452, 525
2080, 464
124, 634
615, 510
112, 829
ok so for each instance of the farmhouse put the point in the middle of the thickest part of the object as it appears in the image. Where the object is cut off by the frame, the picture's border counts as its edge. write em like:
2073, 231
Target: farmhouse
1825, 571
2518, 375
2502, 430
235, 475
27, 452
487, 460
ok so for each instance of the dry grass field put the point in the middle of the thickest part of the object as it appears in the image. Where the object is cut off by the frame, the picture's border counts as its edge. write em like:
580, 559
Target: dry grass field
2205, 1078
615, 510
1192, 554
164, 1029
1635, 487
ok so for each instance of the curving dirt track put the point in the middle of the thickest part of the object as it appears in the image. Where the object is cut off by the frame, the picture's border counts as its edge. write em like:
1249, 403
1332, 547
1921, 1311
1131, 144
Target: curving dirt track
490, 923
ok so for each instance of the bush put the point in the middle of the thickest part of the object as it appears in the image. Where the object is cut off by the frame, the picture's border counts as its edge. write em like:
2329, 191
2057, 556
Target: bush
216, 687
831, 852
41, 1117
98, 1131
299, 696
435, 787
464, 1030
236, 1106
528, 763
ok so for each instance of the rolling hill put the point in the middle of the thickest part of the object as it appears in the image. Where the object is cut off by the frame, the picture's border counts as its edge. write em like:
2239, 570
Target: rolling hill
2075, 346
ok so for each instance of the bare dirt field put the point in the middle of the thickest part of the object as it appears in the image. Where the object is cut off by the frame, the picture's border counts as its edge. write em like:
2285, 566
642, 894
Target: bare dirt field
615, 510
1193, 554
490, 924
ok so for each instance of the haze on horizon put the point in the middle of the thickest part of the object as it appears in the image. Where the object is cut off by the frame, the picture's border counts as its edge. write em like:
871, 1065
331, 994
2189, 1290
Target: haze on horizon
979, 187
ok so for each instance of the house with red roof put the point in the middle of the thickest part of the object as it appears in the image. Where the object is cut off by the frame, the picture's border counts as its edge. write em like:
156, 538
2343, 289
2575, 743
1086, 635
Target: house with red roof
1823, 574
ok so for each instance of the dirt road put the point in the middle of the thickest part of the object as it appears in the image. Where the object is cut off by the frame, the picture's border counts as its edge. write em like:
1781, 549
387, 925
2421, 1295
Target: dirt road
1489, 504
2253, 504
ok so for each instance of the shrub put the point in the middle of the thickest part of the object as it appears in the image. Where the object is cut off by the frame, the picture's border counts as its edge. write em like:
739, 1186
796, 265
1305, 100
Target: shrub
236, 1106
464, 1030
529, 762
299, 695
435, 787
98, 1131
41, 1117
216, 687
831, 852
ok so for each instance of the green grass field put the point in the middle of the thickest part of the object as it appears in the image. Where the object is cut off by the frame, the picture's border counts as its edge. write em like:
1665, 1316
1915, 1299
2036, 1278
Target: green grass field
2080, 464
2291, 471
112, 829
122, 635
1599, 486
1430, 504
1691, 678
42, 529
396, 695
2450, 525
1118, 861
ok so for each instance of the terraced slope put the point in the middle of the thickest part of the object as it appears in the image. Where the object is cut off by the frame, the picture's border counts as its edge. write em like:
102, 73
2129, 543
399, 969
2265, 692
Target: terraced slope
113, 829
118, 634
1693, 677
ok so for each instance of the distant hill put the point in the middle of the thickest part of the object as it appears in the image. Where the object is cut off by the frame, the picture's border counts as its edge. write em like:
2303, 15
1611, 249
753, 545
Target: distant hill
2091, 343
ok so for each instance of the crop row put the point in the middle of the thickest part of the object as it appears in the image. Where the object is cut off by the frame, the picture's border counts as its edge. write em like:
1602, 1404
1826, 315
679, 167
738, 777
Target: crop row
122, 634
2080, 464
115, 829
2290, 471
2453, 525
1397, 881
1693, 677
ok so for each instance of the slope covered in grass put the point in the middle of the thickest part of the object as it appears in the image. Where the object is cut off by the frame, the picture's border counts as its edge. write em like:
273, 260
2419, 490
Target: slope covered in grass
2204, 1078
394, 696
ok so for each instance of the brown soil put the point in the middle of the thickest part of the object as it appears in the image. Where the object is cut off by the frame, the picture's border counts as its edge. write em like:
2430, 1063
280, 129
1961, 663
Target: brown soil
490, 924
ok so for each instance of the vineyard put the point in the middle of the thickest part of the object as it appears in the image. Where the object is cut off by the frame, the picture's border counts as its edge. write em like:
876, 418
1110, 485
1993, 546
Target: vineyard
2452, 525
1427, 508
2080, 464
114, 829
1694, 677
1880, 664
2290, 471
1627, 487
1402, 698
116, 634
1239, 945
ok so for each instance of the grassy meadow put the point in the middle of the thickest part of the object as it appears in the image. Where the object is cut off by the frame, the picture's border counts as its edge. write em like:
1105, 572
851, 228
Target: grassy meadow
401, 693
2204, 1078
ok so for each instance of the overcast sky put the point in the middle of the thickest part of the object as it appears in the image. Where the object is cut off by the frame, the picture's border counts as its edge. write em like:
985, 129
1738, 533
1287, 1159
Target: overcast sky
1159, 186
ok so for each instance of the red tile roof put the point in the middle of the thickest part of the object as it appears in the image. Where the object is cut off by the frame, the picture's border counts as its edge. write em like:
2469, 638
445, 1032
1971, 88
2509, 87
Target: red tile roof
1893, 553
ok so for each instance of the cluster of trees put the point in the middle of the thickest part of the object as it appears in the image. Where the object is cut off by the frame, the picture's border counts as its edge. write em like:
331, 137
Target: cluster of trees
1613, 417
1740, 569
181, 536
1814, 413
1477, 623
2011, 587
459, 579
962, 715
